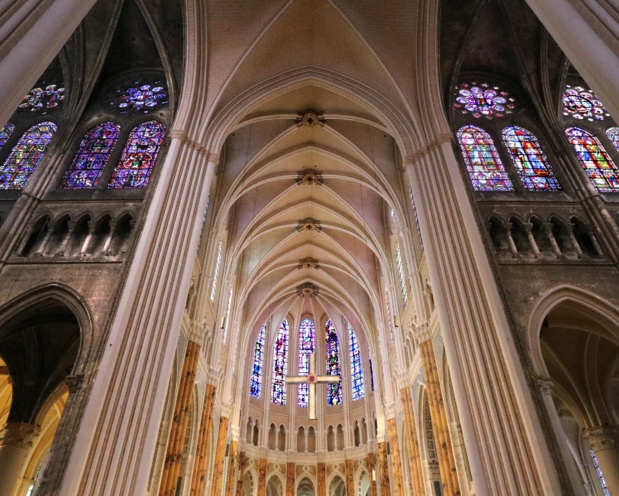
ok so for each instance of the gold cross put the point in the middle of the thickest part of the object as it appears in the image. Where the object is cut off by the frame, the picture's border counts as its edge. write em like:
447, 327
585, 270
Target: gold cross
311, 380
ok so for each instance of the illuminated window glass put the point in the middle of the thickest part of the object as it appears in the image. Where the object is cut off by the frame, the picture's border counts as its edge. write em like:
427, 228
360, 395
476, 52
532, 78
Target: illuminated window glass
307, 345
216, 274
599, 473
371, 375
529, 159
355, 365
280, 365
91, 157
139, 98
26, 155
334, 390
481, 100
255, 384
596, 162
398, 256
43, 97
581, 103
613, 135
138, 158
229, 307
482, 160
5, 133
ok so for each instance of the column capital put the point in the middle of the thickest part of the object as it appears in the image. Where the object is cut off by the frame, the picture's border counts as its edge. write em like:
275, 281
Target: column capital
545, 385
181, 135
602, 437
422, 333
18, 434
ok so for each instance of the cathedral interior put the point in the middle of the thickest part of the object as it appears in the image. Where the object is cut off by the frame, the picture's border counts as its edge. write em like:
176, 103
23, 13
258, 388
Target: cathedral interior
412, 205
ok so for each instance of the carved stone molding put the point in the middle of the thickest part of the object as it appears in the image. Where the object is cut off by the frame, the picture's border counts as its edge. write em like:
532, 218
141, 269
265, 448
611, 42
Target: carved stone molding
307, 289
308, 263
545, 385
602, 437
309, 177
309, 224
74, 382
310, 118
422, 333
18, 435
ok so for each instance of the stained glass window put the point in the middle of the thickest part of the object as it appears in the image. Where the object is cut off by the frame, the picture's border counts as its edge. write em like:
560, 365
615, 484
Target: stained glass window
581, 103
216, 274
5, 133
613, 135
307, 345
280, 365
43, 98
334, 390
138, 157
398, 256
139, 98
371, 375
26, 155
482, 160
355, 365
483, 101
91, 157
599, 473
255, 384
529, 159
598, 165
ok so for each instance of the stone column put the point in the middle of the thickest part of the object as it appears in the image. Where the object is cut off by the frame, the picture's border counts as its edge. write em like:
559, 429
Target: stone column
321, 479
412, 441
446, 460
232, 463
15, 443
290, 479
604, 441
220, 457
134, 372
243, 461
198, 479
350, 478
383, 470
262, 477
396, 462
178, 430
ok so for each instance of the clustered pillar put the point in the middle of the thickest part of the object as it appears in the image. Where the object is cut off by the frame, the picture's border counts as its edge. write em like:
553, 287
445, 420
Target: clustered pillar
396, 464
383, 462
321, 479
233, 459
198, 479
290, 479
412, 441
350, 478
220, 455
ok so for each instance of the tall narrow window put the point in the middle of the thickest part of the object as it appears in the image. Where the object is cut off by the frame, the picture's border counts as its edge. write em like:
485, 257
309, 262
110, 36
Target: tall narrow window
596, 162
371, 375
229, 307
91, 157
5, 133
280, 365
26, 155
307, 345
410, 192
255, 384
216, 274
138, 158
529, 159
398, 256
613, 135
356, 370
482, 160
599, 473
334, 390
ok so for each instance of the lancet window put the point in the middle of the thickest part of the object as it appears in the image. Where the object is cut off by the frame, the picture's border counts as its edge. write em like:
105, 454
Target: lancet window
307, 345
280, 365
216, 274
599, 473
334, 390
255, 384
398, 256
5, 133
371, 375
356, 369
595, 160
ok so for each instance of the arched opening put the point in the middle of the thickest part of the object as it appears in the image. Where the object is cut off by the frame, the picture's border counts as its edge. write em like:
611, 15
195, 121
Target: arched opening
337, 487
301, 439
330, 439
248, 484
306, 487
275, 487
364, 484
272, 437
311, 440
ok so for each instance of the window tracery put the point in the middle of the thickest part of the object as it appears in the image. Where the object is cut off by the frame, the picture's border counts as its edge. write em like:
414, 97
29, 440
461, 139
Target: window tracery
307, 345
139, 97
334, 390
597, 164
5, 133
43, 97
582, 103
613, 136
255, 384
356, 369
280, 365
481, 100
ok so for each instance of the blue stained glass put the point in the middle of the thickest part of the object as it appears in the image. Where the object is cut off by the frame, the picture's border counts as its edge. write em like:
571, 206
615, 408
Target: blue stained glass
482, 160
91, 157
43, 98
255, 385
138, 158
582, 103
355, 365
371, 375
613, 135
599, 473
141, 98
26, 155
307, 345
280, 365
529, 160
5, 133
334, 390
483, 101
597, 164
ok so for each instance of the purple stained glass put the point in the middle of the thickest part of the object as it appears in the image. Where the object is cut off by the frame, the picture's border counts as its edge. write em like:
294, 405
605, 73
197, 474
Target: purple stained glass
5, 133
91, 157
255, 385
482, 160
582, 103
43, 98
280, 365
529, 159
307, 345
483, 101
26, 155
141, 98
138, 158
334, 390
371, 375
597, 164
355, 365
613, 135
